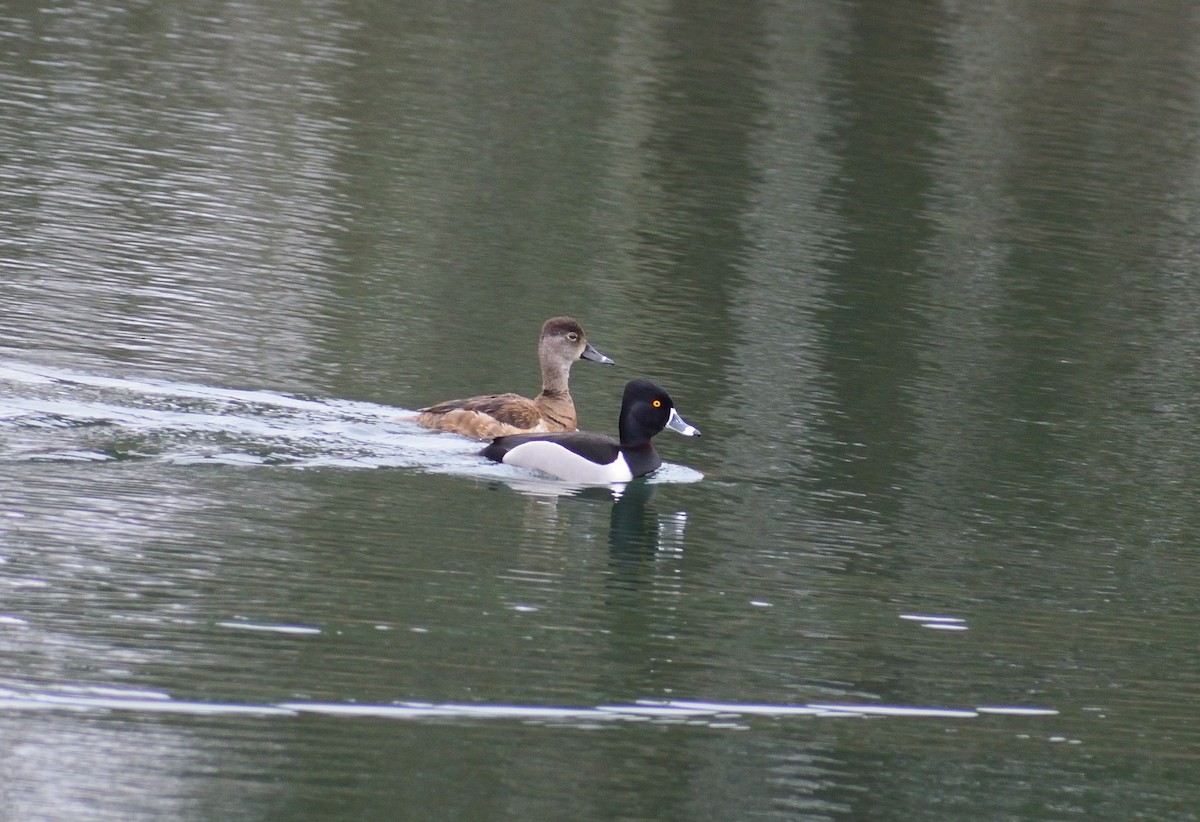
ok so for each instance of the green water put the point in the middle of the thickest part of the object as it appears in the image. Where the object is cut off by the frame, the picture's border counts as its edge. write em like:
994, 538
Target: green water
923, 274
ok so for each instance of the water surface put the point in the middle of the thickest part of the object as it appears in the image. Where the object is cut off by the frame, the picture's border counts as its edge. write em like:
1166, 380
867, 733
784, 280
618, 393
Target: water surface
923, 275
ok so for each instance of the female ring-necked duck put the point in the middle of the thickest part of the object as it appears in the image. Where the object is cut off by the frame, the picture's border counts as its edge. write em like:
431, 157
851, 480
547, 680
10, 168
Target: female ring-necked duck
581, 457
562, 341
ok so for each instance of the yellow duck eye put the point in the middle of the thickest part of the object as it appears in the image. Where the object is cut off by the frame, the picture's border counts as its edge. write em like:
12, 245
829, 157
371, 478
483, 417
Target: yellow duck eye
657, 403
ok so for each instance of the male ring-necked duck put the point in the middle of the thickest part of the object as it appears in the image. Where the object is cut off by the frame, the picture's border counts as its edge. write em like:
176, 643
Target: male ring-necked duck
562, 341
581, 457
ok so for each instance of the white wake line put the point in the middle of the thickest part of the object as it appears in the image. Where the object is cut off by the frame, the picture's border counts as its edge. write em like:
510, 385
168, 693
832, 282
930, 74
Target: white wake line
643, 710
21, 372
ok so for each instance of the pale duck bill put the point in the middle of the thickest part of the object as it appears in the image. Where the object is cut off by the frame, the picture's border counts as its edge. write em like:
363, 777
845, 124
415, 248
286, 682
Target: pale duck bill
590, 353
677, 423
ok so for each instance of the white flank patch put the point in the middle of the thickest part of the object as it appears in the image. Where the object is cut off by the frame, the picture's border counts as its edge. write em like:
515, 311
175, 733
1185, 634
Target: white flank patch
551, 458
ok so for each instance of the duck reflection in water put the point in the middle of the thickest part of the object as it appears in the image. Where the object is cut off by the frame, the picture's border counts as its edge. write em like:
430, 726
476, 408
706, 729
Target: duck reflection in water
637, 530
633, 524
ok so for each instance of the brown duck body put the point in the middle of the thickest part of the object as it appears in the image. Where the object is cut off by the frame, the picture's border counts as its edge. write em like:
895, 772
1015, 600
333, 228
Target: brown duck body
561, 342
498, 415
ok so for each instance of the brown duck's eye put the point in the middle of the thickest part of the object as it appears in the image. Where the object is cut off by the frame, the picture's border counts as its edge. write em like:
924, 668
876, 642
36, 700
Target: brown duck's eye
657, 403
572, 336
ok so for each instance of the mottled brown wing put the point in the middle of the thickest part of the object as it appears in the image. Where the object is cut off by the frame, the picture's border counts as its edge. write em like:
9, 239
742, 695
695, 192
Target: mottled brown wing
510, 409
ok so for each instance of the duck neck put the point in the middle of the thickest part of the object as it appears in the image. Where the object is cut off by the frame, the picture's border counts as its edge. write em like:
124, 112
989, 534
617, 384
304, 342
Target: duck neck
555, 374
555, 400
631, 435
642, 458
